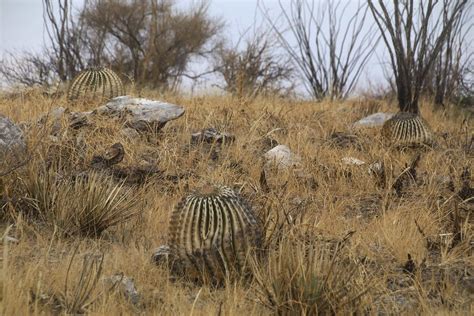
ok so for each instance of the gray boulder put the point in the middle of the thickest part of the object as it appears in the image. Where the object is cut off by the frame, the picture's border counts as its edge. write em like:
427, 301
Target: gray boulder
11, 137
373, 120
141, 114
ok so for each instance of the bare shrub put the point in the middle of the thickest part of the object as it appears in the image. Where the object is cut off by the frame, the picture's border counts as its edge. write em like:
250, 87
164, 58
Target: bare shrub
328, 46
29, 70
70, 49
255, 69
414, 36
150, 41
444, 80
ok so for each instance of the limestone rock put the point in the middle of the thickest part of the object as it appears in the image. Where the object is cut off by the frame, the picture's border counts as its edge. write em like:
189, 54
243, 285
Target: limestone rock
141, 114
352, 161
281, 157
373, 120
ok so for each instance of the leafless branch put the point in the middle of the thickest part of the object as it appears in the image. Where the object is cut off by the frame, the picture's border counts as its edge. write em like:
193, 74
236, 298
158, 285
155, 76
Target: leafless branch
329, 46
414, 36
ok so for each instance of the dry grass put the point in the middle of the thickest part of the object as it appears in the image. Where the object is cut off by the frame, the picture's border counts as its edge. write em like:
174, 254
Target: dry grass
338, 239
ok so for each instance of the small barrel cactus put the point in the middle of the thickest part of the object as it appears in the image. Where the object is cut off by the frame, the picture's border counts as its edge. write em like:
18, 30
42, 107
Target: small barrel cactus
212, 232
407, 129
100, 83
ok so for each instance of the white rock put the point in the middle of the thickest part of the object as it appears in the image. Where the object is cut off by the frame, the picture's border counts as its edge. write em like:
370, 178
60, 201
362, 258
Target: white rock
375, 168
352, 161
11, 239
373, 120
141, 114
282, 157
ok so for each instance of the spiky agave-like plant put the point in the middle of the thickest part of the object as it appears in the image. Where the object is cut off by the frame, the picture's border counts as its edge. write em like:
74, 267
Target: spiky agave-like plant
407, 129
99, 82
212, 233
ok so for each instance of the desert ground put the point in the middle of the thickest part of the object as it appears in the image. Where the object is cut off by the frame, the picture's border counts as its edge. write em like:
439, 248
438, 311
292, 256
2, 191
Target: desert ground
340, 237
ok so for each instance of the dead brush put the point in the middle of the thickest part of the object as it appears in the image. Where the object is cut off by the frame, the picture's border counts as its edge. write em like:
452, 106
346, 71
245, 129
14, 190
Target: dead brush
310, 278
86, 206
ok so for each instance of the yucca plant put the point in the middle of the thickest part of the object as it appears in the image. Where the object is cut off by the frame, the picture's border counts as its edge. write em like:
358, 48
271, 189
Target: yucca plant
302, 278
86, 206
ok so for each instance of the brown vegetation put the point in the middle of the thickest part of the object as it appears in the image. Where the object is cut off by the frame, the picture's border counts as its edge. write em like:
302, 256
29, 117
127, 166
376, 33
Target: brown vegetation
339, 240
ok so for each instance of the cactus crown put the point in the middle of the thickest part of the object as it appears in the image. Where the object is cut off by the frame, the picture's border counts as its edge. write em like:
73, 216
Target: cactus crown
97, 82
407, 129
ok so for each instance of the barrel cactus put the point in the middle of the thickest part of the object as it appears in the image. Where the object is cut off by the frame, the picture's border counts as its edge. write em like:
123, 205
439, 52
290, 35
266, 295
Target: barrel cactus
212, 233
102, 83
407, 129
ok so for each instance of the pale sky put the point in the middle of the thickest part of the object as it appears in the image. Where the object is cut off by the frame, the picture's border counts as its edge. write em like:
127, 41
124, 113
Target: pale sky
21, 24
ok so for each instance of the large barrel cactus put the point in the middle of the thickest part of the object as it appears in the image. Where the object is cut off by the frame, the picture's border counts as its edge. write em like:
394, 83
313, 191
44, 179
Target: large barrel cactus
96, 83
407, 129
212, 233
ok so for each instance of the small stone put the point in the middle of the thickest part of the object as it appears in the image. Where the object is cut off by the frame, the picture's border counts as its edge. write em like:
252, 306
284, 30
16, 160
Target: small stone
468, 284
344, 140
125, 285
375, 168
211, 136
130, 133
54, 116
112, 156
161, 254
79, 119
282, 157
352, 161
373, 120
11, 137
11, 240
